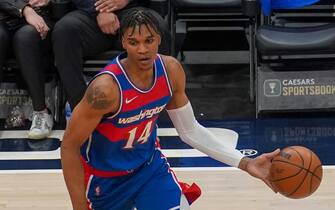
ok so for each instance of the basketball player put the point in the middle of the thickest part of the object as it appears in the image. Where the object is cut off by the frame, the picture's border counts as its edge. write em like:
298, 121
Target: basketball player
120, 165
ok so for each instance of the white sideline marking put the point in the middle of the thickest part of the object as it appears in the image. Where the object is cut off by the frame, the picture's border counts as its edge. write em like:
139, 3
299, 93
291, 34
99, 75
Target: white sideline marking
225, 134
221, 133
183, 153
24, 134
58, 171
55, 154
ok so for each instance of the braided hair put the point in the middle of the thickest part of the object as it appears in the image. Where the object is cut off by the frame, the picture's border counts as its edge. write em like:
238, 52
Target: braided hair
137, 17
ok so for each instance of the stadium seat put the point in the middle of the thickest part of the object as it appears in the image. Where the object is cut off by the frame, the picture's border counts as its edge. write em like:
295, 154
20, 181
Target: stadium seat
295, 60
215, 15
188, 13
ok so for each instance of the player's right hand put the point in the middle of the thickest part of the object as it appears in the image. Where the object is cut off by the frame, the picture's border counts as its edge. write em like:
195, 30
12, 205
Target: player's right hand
259, 167
36, 21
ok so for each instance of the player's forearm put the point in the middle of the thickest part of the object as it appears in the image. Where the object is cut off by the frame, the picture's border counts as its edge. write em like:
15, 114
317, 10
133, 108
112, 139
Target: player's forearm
212, 146
199, 137
74, 177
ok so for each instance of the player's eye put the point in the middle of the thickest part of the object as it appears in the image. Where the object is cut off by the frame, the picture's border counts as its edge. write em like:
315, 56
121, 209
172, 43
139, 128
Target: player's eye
132, 42
149, 41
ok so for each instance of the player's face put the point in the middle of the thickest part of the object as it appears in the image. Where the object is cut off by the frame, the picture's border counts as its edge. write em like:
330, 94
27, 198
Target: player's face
141, 45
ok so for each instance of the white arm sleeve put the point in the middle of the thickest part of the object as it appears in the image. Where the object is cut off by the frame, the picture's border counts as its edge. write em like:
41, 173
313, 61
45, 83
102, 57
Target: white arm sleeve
200, 138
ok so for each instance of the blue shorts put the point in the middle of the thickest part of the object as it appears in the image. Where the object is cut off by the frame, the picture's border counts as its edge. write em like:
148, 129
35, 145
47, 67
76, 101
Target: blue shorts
152, 187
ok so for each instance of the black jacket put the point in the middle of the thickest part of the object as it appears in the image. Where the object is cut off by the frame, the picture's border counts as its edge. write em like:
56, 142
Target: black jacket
11, 12
11, 8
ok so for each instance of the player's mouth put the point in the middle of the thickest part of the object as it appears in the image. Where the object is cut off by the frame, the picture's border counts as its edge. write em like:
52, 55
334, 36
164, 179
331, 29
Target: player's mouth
145, 60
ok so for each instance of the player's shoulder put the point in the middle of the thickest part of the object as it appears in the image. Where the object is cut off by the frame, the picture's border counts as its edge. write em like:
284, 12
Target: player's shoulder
104, 79
105, 83
171, 63
174, 71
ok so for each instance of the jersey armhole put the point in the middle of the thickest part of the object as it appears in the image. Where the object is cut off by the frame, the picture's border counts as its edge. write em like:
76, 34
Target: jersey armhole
166, 74
112, 115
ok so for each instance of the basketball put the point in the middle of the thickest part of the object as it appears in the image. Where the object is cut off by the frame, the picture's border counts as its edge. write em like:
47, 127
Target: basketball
296, 172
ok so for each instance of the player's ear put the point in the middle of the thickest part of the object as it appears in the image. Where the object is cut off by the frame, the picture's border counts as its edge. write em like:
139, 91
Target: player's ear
123, 42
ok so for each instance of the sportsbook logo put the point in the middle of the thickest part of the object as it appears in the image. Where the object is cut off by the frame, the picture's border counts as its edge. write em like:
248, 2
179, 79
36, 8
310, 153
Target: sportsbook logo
272, 87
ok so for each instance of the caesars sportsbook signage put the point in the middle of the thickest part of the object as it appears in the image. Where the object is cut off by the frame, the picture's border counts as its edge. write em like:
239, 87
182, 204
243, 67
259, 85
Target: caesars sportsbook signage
12, 96
295, 90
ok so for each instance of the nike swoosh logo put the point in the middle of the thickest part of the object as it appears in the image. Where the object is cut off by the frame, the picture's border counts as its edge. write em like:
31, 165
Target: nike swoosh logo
130, 100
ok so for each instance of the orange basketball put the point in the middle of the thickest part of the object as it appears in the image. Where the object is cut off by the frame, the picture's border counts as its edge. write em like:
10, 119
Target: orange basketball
296, 172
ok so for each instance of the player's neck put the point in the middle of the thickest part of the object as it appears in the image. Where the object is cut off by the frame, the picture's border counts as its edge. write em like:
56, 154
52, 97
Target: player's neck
142, 78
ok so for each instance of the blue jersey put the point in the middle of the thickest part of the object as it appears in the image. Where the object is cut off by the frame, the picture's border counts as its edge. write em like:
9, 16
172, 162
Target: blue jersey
126, 140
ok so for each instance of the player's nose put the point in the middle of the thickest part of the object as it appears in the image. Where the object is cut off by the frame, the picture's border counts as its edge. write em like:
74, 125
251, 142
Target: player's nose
142, 49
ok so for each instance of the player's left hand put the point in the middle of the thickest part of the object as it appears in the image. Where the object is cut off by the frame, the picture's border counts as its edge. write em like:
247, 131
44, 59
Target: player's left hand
259, 167
110, 5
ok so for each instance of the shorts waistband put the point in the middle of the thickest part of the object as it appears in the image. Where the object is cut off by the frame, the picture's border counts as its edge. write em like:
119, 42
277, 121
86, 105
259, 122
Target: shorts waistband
106, 174
90, 170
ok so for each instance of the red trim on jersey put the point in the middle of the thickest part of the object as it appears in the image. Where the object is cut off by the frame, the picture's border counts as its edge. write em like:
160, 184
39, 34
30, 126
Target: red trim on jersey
160, 90
95, 172
114, 68
89, 205
115, 134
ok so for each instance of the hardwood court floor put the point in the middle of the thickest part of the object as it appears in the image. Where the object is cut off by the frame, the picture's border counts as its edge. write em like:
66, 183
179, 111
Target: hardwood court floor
222, 190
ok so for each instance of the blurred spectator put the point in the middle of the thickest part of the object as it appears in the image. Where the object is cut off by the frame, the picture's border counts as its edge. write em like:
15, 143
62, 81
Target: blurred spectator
25, 30
89, 30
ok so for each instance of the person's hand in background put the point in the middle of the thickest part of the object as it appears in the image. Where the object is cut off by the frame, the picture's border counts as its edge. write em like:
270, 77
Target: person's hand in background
36, 21
108, 22
38, 3
110, 5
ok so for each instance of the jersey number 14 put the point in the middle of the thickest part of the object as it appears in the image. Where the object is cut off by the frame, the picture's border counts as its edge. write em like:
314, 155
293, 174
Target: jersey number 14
143, 137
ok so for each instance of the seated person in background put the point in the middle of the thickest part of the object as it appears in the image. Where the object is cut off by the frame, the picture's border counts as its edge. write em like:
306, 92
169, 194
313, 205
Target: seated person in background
25, 30
88, 30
